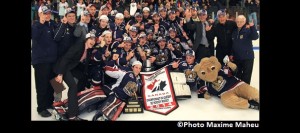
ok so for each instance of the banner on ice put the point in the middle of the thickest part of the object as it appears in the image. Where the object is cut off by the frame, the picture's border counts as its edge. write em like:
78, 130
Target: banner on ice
158, 91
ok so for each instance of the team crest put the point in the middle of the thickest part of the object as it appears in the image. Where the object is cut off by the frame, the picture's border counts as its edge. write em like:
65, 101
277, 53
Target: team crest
219, 83
190, 75
130, 89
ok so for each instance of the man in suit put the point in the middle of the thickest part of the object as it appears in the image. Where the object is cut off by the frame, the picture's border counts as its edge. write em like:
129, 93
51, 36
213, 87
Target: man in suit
201, 42
81, 28
74, 65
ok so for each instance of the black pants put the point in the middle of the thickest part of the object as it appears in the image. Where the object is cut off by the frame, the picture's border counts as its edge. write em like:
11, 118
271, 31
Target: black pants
245, 68
44, 92
74, 88
202, 52
221, 53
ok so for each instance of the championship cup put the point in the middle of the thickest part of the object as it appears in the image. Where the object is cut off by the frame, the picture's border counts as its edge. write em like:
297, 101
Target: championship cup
147, 63
133, 106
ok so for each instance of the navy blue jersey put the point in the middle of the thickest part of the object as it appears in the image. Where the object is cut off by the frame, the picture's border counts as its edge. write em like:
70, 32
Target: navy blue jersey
122, 58
127, 87
117, 30
100, 30
191, 76
224, 83
126, 84
163, 57
115, 45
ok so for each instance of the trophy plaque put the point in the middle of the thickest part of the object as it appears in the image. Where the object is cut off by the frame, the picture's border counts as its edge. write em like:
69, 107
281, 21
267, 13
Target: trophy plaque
133, 106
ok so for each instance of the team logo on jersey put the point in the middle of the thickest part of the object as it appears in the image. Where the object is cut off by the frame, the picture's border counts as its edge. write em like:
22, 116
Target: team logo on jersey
241, 36
219, 83
161, 59
190, 75
130, 89
177, 46
131, 75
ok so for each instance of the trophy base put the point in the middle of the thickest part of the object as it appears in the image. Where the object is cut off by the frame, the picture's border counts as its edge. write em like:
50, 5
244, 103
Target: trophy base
133, 106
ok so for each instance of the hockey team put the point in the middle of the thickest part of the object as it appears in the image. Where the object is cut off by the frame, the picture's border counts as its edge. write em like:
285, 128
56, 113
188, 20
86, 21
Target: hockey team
107, 49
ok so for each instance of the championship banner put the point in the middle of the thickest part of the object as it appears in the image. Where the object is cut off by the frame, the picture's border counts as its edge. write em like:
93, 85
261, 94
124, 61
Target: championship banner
158, 91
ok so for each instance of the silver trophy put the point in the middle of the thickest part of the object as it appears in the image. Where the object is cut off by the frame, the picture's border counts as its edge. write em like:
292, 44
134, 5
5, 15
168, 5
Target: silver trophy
147, 63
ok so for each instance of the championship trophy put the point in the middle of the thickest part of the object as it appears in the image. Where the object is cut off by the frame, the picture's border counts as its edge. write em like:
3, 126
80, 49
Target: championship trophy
133, 106
147, 63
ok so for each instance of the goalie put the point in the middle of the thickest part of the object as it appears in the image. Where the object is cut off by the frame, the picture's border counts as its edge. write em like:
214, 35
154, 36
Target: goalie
125, 88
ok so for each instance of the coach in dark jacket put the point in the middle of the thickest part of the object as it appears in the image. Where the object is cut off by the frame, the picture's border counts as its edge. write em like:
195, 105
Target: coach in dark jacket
44, 55
242, 48
73, 65
223, 31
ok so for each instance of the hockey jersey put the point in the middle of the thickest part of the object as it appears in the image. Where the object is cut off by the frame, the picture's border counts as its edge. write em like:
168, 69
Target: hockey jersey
223, 83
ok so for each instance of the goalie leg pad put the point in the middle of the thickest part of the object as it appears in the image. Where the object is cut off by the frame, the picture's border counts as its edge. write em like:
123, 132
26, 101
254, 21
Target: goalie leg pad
110, 109
90, 98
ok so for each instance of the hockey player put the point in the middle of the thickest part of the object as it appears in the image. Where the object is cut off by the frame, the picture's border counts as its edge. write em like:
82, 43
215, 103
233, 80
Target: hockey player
125, 88
127, 53
118, 27
186, 67
178, 42
161, 55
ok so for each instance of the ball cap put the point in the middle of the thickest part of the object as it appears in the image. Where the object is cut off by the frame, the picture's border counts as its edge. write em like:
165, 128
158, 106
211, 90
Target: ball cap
202, 11
119, 15
161, 39
137, 14
127, 39
90, 35
146, 9
86, 13
137, 63
221, 12
106, 32
142, 35
103, 17
190, 52
133, 28
70, 10
44, 9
